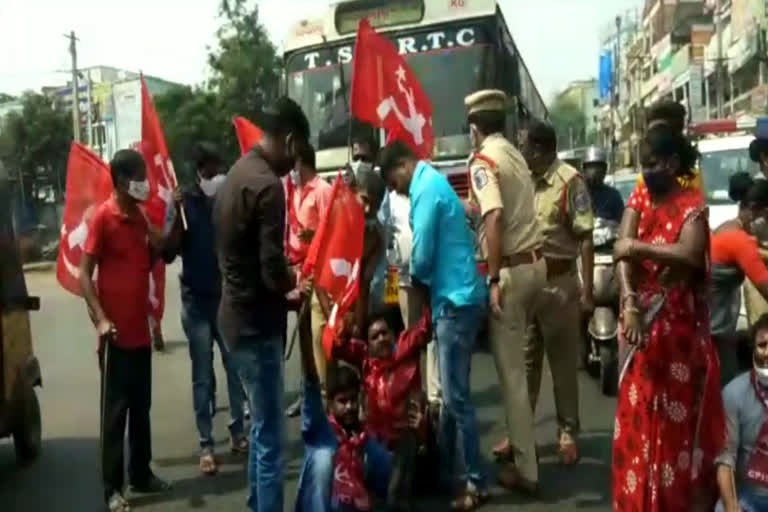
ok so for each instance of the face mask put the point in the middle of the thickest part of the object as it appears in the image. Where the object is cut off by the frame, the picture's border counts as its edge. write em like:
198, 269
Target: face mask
139, 190
761, 374
759, 229
658, 183
209, 187
294, 177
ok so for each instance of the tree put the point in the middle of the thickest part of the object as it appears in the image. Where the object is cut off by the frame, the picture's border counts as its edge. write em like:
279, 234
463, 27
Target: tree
34, 144
6, 97
570, 123
245, 75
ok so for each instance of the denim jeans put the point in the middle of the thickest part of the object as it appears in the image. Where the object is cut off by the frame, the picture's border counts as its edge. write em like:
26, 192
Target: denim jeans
198, 318
259, 361
456, 329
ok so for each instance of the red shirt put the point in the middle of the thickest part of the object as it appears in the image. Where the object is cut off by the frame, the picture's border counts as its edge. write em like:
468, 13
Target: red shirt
388, 382
307, 204
120, 246
736, 247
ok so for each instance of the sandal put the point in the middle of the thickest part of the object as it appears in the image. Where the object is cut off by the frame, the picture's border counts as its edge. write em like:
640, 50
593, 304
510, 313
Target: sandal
469, 500
569, 452
118, 504
208, 464
239, 446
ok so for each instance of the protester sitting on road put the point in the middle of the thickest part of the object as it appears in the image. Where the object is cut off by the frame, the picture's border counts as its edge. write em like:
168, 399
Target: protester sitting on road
123, 244
249, 222
742, 473
735, 255
343, 466
443, 258
395, 403
200, 295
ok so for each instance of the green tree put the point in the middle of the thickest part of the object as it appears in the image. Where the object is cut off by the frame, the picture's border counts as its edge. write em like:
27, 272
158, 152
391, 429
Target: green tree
245, 74
34, 144
570, 123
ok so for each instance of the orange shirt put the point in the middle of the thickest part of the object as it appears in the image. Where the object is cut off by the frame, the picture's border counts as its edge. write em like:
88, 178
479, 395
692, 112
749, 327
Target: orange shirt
737, 247
306, 208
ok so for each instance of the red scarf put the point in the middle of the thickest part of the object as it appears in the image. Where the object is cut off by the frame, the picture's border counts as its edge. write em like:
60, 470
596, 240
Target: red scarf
348, 487
757, 468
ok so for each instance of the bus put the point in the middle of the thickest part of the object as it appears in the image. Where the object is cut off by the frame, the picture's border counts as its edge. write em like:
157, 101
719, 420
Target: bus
455, 47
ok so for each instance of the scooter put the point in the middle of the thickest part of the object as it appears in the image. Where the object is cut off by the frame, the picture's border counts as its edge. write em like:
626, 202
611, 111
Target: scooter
603, 327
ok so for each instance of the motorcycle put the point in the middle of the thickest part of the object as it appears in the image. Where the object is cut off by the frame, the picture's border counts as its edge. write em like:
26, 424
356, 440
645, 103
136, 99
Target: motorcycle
603, 326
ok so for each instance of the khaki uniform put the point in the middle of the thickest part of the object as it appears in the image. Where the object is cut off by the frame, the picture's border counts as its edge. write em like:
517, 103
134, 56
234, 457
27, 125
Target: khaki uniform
565, 213
500, 179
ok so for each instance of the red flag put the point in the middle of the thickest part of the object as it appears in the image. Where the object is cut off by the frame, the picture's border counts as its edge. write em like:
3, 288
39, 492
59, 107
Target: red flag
162, 181
248, 134
335, 255
88, 185
387, 94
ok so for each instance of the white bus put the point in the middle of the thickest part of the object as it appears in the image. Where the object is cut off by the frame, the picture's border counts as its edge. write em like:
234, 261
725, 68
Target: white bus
455, 47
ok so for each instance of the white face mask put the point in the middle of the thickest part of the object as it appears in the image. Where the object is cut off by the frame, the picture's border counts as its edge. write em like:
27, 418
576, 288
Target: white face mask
139, 190
211, 186
295, 177
761, 374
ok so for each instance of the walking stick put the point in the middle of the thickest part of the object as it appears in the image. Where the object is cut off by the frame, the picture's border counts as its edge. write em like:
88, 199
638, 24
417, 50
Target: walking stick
303, 310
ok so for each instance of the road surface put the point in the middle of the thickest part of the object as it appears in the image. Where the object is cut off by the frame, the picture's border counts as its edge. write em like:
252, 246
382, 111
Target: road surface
66, 477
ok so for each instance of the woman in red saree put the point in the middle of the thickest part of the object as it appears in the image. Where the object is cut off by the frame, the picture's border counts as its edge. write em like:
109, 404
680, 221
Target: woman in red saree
670, 422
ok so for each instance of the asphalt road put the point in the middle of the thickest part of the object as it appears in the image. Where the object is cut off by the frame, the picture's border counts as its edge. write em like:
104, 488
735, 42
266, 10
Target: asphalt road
66, 476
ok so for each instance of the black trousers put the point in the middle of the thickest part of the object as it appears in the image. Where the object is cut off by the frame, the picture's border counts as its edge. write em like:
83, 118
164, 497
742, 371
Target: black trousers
126, 397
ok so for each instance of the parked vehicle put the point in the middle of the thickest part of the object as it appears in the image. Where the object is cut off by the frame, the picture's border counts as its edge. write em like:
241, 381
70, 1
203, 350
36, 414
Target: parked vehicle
19, 368
603, 325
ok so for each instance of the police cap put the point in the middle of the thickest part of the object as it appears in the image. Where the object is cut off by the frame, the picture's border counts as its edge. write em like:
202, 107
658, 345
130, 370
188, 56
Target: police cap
487, 100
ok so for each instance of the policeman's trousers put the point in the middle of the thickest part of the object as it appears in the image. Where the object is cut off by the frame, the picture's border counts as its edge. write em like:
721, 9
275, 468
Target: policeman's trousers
556, 330
520, 287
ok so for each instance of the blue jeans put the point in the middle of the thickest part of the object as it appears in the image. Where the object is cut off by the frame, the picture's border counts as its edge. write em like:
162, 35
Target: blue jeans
456, 330
313, 493
259, 361
198, 318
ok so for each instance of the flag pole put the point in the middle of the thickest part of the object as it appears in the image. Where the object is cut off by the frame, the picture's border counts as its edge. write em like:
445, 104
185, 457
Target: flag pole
303, 310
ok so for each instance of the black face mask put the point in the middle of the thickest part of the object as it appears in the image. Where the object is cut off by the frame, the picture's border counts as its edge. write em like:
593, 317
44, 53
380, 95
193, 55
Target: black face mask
658, 183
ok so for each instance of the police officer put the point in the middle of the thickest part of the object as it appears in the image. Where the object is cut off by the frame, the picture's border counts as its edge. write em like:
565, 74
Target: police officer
565, 212
606, 200
502, 188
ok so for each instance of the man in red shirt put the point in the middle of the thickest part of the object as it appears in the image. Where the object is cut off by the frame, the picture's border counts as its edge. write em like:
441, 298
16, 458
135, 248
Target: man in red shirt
123, 244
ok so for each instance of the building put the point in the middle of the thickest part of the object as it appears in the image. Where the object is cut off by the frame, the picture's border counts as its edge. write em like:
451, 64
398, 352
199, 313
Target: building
708, 55
110, 106
585, 95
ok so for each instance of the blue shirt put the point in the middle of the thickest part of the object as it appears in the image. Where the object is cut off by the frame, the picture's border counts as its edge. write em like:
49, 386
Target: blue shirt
318, 434
606, 202
443, 253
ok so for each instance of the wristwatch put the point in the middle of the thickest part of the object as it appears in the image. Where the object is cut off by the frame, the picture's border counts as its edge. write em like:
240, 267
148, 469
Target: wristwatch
493, 280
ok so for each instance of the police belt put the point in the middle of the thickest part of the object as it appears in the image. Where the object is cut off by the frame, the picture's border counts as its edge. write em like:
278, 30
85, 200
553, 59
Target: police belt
557, 267
521, 258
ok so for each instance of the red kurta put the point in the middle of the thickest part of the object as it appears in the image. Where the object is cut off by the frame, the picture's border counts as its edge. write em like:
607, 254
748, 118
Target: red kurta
670, 423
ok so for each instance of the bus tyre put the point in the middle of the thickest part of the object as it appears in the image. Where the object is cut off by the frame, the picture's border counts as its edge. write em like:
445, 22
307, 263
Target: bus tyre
27, 433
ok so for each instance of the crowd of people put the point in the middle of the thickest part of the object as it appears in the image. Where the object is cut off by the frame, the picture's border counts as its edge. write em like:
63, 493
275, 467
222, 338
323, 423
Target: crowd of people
506, 256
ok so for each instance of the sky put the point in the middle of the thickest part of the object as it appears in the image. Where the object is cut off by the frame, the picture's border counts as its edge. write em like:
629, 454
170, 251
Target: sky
558, 39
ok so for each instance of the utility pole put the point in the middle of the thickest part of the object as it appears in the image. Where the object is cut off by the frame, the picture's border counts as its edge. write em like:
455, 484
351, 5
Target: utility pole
75, 87
719, 69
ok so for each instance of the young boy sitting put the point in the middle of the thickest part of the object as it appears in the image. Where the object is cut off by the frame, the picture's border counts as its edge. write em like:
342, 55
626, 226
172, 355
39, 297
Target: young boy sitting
395, 404
343, 466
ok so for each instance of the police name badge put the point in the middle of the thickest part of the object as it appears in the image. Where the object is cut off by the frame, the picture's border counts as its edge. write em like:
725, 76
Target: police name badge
479, 177
581, 203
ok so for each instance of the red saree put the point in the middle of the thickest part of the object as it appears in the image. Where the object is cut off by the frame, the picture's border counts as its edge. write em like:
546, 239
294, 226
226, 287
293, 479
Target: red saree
670, 423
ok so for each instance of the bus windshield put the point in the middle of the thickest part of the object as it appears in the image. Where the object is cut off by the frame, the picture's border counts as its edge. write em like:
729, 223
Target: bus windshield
447, 76
718, 166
